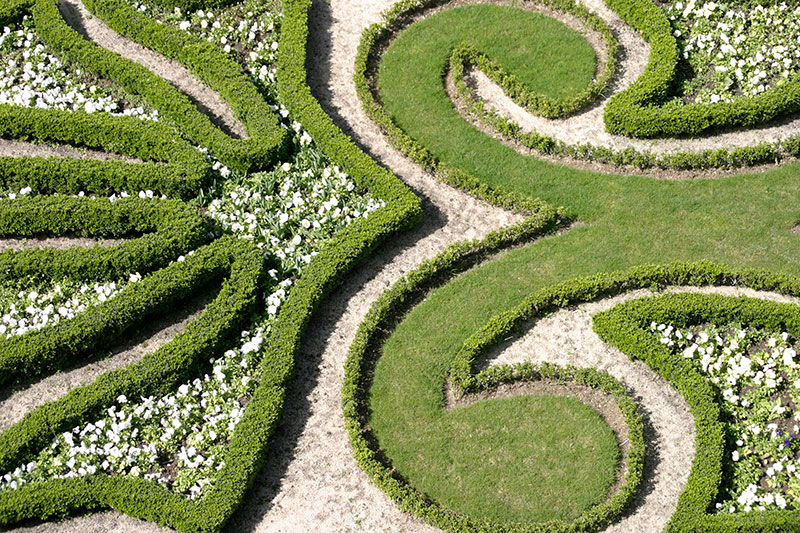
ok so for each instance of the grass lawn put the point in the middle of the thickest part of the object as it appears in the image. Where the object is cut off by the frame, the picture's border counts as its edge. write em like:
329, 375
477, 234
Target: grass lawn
742, 220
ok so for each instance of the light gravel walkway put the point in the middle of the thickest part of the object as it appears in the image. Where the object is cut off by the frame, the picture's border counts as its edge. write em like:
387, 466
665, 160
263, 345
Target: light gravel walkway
9, 148
588, 127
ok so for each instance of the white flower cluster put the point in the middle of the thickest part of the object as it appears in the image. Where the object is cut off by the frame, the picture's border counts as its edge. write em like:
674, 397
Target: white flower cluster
179, 440
758, 376
176, 440
31, 76
248, 32
291, 210
25, 308
734, 51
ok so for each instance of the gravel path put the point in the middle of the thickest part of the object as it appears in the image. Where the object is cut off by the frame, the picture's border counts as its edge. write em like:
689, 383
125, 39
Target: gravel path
589, 127
9, 148
16, 401
311, 480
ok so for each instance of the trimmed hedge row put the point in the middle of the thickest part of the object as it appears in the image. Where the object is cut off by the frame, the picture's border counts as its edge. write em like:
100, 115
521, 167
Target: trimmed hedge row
763, 153
538, 103
412, 288
268, 141
156, 374
185, 172
57, 347
173, 105
598, 516
627, 327
13, 10
169, 228
638, 112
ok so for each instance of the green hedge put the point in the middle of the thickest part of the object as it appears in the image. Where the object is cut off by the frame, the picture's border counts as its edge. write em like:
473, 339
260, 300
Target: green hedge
158, 373
185, 172
13, 10
638, 112
627, 327
464, 381
370, 39
763, 153
705, 473
168, 228
268, 139
541, 104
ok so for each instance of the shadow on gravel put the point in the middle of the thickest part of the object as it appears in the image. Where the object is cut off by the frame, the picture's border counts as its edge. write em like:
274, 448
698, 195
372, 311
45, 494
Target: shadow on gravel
322, 326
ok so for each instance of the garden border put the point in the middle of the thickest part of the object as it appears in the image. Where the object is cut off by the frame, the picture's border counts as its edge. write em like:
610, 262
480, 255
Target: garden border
412, 288
626, 326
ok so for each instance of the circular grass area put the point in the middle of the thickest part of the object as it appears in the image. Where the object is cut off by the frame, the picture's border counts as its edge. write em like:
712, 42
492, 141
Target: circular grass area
522, 459
543, 53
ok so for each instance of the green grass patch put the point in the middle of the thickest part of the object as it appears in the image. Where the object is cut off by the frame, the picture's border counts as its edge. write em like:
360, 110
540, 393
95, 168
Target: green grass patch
741, 220
522, 459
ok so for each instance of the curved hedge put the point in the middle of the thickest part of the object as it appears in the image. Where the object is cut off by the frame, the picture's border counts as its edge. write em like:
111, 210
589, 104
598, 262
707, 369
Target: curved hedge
168, 228
242, 263
183, 172
541, 104
638, 112
705, 474
763, 153
627, 327
268, 139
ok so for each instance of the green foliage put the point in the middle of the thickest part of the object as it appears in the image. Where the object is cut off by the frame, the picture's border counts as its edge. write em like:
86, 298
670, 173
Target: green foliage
638, 112
627, 327
158, 372
268, 138
185, 171
267, 141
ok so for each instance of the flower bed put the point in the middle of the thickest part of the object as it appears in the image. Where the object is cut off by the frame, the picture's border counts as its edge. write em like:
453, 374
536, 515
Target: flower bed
735, 51
757, 377
301, 224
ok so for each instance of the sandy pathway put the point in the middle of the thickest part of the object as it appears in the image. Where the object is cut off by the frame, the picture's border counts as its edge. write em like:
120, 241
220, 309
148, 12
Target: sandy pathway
146, 339
9, 148
311, 480
588, 127
206, 99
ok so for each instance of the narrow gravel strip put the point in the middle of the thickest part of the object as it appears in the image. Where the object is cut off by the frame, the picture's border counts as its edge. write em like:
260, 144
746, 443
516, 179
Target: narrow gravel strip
15, 403
9, 148
588, 127
54, 242
206, 100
